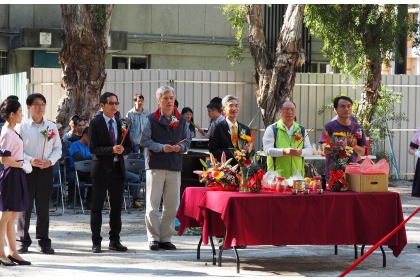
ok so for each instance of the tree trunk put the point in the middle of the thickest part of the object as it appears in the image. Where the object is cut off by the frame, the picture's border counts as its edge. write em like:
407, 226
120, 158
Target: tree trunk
85, 29
275, 82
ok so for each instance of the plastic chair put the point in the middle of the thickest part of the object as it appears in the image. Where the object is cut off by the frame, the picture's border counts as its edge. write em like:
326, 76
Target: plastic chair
59, 185
136, 166
82, 166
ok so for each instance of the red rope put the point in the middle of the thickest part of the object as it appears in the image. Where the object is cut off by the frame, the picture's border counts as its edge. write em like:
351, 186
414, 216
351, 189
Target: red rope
382, 241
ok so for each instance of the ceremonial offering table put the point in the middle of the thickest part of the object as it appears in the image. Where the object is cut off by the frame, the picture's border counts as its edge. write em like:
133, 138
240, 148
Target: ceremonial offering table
269, 218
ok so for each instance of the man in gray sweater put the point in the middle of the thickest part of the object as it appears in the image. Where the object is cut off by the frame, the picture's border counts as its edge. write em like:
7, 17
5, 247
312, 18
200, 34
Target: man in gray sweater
136, 116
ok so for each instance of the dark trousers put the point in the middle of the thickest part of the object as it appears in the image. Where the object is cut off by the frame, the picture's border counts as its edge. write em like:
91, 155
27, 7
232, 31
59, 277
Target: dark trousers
115, 186
39, 183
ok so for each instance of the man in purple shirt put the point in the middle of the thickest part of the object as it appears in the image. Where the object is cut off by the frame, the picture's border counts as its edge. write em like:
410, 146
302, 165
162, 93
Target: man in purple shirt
343, 123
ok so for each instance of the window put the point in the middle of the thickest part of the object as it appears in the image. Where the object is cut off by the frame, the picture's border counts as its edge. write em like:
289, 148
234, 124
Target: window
319, 67
3, 63
130, 62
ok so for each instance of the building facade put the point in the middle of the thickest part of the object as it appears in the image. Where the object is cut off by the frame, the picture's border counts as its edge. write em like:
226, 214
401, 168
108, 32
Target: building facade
195, 37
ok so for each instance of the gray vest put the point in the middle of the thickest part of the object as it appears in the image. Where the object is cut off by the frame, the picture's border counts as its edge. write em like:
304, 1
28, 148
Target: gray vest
164, 134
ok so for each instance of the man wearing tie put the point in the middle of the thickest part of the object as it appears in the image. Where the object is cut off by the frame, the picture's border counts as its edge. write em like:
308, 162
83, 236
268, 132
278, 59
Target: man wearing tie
108, 171
221, 135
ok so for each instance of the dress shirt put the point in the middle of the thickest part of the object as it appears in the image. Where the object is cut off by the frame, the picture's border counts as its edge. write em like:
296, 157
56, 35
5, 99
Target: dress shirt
230, 124
214, 122
33, 140
114, 125
270, 150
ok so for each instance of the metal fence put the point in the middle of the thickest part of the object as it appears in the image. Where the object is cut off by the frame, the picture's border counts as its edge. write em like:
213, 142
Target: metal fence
195, 89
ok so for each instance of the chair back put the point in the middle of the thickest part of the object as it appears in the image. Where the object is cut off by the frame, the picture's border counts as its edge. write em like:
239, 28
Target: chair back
136, 156
134, 165
83, 165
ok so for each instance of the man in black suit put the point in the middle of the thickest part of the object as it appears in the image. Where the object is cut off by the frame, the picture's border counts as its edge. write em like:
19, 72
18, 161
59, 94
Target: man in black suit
108, 171
220, 139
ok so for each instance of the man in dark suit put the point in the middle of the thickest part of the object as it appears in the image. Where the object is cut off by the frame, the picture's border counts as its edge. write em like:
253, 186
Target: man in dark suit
108, 171
220, 139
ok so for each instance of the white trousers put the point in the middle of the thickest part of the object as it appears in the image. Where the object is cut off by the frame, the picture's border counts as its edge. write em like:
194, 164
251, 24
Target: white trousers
160, 182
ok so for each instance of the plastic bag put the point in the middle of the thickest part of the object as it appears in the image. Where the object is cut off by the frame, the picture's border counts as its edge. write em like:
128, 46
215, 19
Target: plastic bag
296, 176
270, 178
369, 167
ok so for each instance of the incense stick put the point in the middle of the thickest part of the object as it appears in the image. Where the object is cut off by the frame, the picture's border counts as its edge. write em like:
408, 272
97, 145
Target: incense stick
304, 137
185, 139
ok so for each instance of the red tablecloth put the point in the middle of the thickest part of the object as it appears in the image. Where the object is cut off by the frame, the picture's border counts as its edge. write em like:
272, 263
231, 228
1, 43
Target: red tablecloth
267, 218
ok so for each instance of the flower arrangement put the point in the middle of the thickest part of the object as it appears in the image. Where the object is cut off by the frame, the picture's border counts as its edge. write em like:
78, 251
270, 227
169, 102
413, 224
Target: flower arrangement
221, 173
340, 151
243, 148
174, 121
340, 155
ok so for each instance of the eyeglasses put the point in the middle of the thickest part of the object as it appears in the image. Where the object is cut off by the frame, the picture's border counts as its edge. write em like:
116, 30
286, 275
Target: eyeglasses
289, 110
39, 105
113, 103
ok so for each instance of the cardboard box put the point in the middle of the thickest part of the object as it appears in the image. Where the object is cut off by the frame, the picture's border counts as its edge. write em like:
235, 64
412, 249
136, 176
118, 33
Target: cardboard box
367, 182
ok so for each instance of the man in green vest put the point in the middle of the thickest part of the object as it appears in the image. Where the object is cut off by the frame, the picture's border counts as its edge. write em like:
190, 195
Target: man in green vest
285, 143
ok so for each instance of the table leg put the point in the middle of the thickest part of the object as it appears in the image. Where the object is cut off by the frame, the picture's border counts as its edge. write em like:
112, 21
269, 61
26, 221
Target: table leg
198, 248
355, 251
237, 259
213, 250
383, 257
383, 254
221, 247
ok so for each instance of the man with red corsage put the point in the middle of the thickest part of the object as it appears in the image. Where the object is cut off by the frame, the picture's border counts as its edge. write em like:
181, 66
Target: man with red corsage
165, 139
356, 138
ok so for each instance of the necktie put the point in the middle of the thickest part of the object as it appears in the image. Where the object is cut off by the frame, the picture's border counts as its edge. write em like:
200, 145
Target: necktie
234, 131
111, 132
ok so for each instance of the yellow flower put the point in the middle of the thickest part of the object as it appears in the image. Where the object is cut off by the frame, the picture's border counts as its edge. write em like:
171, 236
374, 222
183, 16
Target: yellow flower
339, 134
246, 137
217, 175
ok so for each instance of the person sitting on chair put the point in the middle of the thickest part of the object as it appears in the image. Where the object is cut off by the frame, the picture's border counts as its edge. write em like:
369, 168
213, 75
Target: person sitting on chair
79, 151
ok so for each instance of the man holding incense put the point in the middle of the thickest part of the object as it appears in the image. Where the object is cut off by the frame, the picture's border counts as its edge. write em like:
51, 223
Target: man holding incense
286, 143
165, 138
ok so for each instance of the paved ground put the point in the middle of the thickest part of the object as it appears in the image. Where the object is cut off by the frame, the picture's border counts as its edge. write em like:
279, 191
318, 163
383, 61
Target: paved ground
70, 235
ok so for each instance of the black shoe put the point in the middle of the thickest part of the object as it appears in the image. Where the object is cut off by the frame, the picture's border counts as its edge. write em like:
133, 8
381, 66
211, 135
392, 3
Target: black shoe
22, 250
46, 250
167, 246
22, 262
117, 246
240, 247
418, 246
7, 263
96, 248
154, 245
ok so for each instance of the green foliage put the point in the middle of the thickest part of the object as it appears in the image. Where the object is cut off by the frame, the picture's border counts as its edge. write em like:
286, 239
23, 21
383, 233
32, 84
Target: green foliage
97, 15
355, 36
384, 112
236, 15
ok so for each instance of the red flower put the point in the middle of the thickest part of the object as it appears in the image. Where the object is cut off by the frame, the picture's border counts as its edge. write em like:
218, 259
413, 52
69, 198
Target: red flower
124, 132
247, 161
342, 154
297, 137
